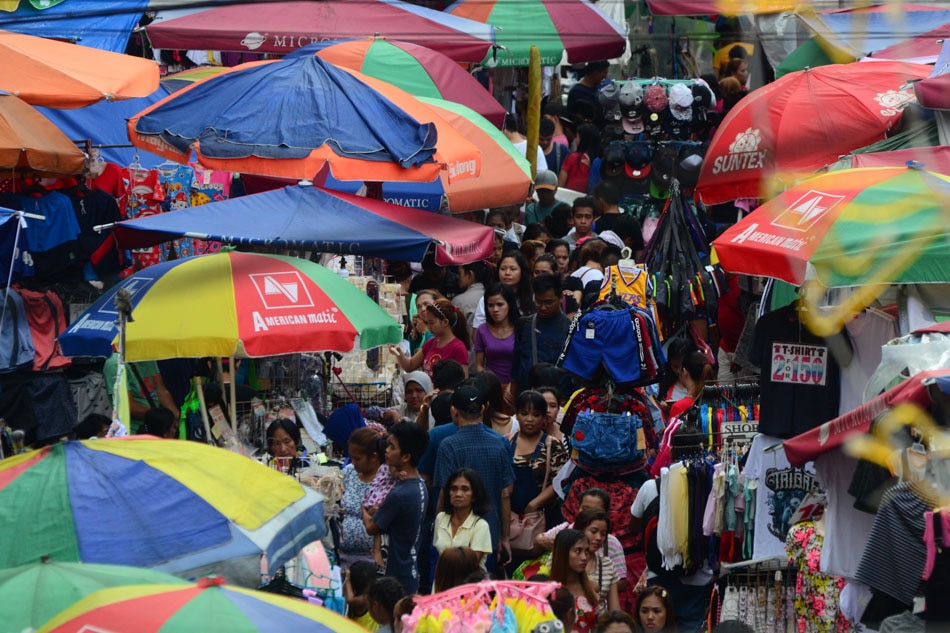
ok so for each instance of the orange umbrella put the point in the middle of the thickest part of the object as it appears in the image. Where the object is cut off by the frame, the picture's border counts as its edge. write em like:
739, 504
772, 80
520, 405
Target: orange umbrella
49, 73
454, 153
28, 141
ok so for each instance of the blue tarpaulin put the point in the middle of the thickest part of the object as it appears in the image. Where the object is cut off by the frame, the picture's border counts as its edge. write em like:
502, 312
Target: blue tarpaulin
103, 24
104, 124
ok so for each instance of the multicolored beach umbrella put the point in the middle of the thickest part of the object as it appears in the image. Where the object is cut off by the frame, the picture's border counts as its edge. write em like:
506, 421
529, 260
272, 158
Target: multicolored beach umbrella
233, 304
146, 502
577, 27
208, 605
875, 225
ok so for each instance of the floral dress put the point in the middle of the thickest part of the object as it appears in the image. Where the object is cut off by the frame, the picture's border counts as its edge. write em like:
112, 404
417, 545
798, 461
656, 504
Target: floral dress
816, 594
353, 537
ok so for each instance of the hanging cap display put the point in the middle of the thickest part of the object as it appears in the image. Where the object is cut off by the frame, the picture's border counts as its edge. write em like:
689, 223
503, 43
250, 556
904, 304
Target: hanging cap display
631, 95
655, 98
681, 102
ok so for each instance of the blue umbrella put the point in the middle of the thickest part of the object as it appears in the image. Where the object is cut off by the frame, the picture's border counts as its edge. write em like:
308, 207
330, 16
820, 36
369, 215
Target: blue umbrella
304, 111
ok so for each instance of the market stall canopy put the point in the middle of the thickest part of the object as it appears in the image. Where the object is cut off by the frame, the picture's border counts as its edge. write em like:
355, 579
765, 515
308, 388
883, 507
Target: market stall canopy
934, 92
869, 29
505, 177
578, 28
935, 159
834, 433
307, 217
923, 48
420, 71
103, 124
801, 122
810, 54
240, 304
102, 24
29, 142
282, 27
46, 72
852, 227
318, 114
83, 502
719, 7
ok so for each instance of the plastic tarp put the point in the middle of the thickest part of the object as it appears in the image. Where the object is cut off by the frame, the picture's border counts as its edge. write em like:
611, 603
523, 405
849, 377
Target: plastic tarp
103, 24
104, 124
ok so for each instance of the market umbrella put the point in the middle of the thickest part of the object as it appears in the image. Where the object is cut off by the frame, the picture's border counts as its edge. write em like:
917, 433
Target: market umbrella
101, 24
801, 122
208, 605
46, 72
807, 446
183, 79
317, 114
576, 27
166, 504
34, 593
812, 53
868, 29
29, 142
420, 71
505, 176
722, 7
233, 304
876, 225
925, 46
281, 27
308, 217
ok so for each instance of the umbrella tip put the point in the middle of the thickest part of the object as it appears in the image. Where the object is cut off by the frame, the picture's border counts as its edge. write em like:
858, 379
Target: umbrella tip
915, 164
305, 183
210, 581
45, 559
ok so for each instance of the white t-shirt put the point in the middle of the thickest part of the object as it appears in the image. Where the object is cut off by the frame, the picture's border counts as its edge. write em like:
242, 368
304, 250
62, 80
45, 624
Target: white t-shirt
781, 489
522, 147
846, 528
868, 332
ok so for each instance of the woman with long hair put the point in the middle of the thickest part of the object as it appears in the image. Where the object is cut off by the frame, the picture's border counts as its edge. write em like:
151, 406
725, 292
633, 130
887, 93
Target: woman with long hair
454, 567
462, 524
497, 415
595, 524
569, 567
575, 172
695, 372
449, 339
513, 271
654, 612
366, 447
418, 332
495, 339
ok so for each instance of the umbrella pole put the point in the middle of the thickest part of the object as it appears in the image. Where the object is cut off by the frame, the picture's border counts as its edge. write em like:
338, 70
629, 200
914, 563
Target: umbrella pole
233, 369
204, 409
220, 368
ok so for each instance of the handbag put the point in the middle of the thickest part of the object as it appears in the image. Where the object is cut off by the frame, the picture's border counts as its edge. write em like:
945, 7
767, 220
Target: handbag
524, 527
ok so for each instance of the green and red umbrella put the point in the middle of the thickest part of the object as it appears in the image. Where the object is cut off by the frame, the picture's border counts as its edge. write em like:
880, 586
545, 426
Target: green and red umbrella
420, 71
576, 27
875, 225
208, 606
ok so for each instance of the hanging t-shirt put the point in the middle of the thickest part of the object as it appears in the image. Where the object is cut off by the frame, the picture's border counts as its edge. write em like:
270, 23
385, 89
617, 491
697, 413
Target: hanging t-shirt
53, 241
846, 528
208, 186
800, 378
868, 332
779, 491
177, 182
144, 198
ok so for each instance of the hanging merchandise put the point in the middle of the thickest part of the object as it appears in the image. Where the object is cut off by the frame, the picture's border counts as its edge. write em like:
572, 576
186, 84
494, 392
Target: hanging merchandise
686, 286
491, 606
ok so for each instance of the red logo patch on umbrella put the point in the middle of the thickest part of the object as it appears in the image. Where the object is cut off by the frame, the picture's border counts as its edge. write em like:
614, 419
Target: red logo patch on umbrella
282, 290
807, 211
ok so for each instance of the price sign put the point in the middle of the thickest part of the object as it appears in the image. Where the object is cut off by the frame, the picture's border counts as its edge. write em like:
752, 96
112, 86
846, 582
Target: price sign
798, 364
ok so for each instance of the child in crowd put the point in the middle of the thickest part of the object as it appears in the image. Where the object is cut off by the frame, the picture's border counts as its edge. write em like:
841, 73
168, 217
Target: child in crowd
403, 607
356, 584
582, 219
383, 595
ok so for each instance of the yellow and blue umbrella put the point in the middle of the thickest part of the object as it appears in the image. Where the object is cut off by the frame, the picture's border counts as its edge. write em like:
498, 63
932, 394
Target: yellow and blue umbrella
233, 304
165, 504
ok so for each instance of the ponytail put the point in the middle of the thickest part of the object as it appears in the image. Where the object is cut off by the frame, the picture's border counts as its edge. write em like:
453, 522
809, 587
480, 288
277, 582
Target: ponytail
460, 326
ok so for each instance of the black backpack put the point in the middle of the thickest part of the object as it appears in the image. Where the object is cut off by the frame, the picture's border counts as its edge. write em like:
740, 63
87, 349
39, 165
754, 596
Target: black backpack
654, 559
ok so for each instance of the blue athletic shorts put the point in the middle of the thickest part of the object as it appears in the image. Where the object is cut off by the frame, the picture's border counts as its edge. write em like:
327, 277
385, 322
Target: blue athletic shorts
608, 337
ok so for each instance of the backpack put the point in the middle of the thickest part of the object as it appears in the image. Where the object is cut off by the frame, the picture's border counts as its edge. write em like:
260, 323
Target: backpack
650, 522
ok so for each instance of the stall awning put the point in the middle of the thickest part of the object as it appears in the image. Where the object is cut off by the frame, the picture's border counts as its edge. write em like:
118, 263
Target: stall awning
833, 434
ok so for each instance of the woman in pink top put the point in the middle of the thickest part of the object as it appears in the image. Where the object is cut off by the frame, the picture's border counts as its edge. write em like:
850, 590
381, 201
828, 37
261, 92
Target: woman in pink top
449, 339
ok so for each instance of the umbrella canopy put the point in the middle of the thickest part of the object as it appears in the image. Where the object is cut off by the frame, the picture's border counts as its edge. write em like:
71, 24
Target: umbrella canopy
505, 176
853, 226
723, 7
45, 72
936, 159
418, 70
801, 122
307, 217
576, 27
208, 605
921, 48
364, 129
834, 433
33, 594
167, 504
868, 29
250, 305
28, 141
101, 24
811, 53
183, 79
281, 27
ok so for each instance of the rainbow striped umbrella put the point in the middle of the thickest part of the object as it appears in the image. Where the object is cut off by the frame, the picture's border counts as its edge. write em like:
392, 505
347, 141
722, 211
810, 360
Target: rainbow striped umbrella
576, 27
209, 606
874, 225
166, 504
233, 304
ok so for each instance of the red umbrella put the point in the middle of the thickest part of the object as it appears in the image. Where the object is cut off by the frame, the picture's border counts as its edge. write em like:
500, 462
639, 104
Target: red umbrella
803, 121
935, 159
918, 47
282, 27
832, 434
